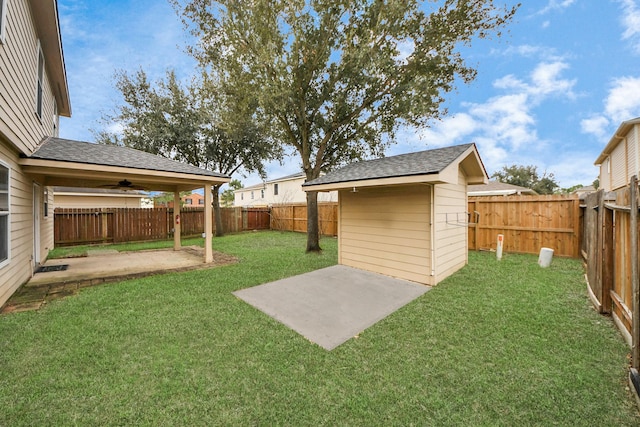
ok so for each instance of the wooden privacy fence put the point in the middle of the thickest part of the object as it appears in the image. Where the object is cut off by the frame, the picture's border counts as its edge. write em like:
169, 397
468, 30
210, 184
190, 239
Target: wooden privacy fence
528, 223
118, 225
610, 250
294, 218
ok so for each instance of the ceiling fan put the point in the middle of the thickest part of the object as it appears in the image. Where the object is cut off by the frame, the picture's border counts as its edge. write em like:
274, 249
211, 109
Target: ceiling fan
124, 185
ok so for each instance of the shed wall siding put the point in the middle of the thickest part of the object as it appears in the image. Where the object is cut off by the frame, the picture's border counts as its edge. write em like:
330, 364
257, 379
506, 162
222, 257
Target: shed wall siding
386, 230
19, 64
451, 245
20, 267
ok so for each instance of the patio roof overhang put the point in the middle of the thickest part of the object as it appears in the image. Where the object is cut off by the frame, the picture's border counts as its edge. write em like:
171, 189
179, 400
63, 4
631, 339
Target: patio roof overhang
63, 162
72, 174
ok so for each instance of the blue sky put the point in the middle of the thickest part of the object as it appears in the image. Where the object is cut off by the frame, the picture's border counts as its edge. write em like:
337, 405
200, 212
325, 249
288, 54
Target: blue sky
550, 92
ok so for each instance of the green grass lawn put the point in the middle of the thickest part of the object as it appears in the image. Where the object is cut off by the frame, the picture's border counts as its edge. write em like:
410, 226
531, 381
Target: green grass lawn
498, 343
81, 250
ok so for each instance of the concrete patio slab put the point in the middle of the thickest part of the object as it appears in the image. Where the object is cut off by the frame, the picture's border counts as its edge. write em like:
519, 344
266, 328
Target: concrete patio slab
331, 305
105, 267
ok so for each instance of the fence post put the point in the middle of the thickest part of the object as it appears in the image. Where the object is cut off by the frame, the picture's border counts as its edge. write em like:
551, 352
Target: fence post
633, 193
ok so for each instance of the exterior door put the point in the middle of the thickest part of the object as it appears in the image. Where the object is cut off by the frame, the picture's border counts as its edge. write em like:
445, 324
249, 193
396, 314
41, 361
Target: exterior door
37, 204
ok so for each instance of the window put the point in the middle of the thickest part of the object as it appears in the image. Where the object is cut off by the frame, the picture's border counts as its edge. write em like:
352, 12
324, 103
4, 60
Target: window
252, 195
56, 118
40, 83
262, 194
241, 196
201, 201
46, 201
3, 19
275, 189
4, 214
188, 201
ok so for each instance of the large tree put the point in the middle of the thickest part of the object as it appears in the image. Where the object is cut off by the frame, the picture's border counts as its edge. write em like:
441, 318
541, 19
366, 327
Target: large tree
187, 123
528, 177
336, 78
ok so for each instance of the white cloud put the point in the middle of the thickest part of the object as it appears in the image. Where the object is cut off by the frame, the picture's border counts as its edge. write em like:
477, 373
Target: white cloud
504, 126
623, 101
530, 51
631, 23
596, 125
554, 5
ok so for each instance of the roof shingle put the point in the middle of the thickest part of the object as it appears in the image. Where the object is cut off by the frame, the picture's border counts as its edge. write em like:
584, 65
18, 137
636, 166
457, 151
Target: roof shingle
419, 163
66, 150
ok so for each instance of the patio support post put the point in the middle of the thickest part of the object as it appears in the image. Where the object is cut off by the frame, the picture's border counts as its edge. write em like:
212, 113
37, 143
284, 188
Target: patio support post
208, 224
176, 220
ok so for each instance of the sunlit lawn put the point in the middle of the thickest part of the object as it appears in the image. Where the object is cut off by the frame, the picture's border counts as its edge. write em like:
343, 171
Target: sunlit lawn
499, 343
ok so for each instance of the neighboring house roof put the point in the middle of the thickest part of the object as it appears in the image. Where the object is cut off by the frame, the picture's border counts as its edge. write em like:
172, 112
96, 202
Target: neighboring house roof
288, 177
497, 188
273, 181
587, 189
618, 136
417, 165
66, 150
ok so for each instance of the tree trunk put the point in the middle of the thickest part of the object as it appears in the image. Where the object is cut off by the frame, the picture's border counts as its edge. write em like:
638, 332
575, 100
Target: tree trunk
217, 213
313, 230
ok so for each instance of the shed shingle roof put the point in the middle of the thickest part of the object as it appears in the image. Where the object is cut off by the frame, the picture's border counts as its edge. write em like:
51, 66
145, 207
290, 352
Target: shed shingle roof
419, 163
66, 150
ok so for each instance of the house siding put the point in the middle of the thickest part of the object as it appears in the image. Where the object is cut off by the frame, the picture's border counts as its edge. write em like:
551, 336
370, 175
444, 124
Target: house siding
21, 130
618, 160
68, 201
632, 153
19, 63
19, 268
387, 230
450, 228
289, 192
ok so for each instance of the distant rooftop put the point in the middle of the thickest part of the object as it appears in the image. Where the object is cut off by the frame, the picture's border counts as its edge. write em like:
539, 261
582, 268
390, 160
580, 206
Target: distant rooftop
497, 188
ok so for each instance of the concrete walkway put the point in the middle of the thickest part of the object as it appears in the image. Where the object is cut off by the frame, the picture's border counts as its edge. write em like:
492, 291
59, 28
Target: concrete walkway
104, 266
331, 305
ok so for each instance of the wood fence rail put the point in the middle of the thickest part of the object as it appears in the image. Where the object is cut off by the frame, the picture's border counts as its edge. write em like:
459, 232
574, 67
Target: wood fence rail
528, 223
610, 251
118, 225
294, 218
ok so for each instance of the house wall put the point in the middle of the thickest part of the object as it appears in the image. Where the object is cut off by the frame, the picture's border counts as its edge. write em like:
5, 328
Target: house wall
619, 165
605, 175
21, 130
450, 229
632, 153
19, 64
289, 192
387, 230
83, 201
19, 268
623, 162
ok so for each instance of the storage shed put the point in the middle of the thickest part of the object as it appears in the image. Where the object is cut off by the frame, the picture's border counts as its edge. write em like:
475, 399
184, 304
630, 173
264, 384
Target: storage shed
406, 216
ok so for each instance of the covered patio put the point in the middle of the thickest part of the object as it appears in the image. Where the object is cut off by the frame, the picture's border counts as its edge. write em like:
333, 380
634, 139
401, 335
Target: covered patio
62, 277
63, 162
